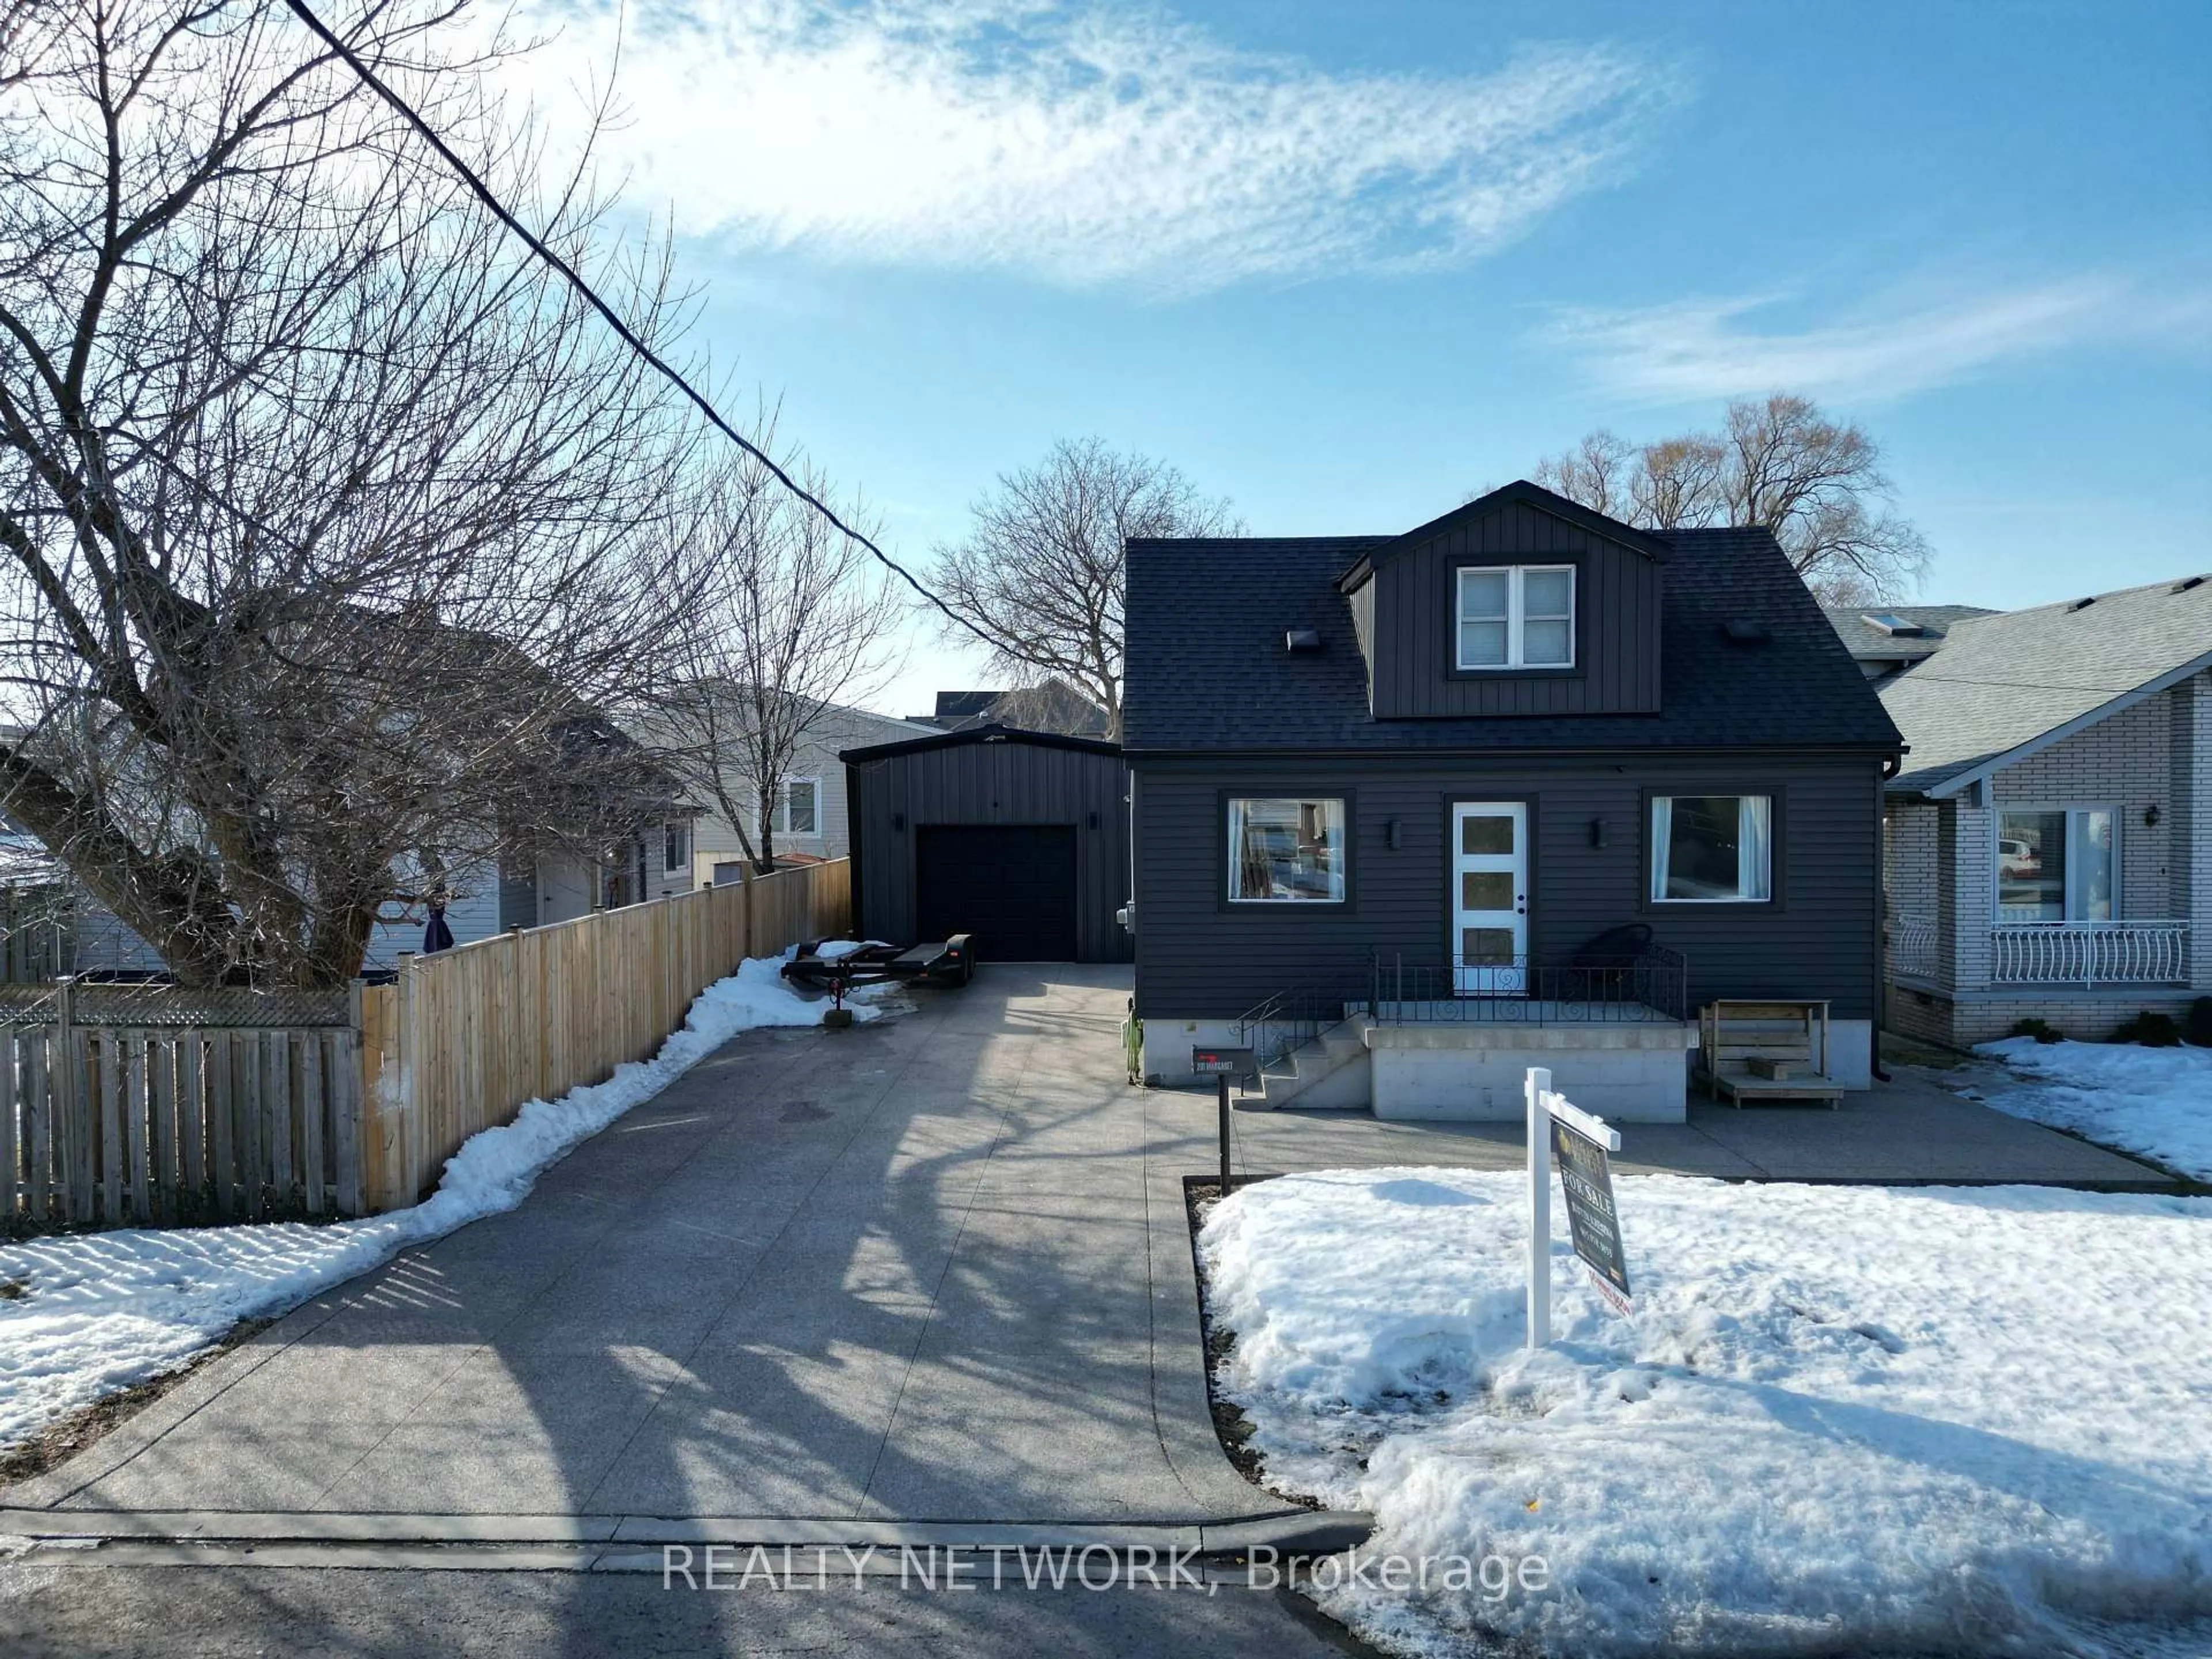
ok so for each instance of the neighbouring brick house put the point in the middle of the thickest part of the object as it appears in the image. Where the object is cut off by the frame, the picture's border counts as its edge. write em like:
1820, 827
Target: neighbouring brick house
2048, 843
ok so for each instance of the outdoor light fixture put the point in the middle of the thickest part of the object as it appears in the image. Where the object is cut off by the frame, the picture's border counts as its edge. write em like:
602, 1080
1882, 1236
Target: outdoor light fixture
898, 823
1597, 833
1390, 833
1094, 820
2150, 818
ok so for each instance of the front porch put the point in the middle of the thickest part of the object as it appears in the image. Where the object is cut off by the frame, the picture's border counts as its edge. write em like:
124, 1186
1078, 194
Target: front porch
2082, 978
2084, 954
1455, 1042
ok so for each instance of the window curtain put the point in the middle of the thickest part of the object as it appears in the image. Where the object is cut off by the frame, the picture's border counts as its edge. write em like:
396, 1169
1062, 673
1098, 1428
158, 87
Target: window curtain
1754, 847
1662, 838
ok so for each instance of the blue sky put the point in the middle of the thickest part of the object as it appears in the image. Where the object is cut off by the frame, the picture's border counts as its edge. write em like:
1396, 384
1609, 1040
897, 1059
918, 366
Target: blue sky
1344, 264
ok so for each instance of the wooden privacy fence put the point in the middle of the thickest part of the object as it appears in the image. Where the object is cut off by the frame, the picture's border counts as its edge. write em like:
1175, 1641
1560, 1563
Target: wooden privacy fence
464, 1038
155, 1105
158, 1105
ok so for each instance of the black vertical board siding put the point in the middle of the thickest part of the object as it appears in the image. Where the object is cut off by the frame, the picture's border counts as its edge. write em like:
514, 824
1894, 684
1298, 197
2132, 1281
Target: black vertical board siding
1199, 959
1413, 658
1007, 783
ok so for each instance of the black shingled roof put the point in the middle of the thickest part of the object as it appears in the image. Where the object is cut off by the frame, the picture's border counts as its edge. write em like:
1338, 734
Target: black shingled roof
1207, 669
974, 734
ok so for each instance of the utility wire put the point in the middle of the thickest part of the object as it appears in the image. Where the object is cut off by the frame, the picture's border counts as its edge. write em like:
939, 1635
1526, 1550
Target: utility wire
483, 193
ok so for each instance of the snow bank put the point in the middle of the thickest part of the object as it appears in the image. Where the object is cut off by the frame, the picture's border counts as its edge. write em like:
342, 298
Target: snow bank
2157, 1101
1840, 1420
105, 1310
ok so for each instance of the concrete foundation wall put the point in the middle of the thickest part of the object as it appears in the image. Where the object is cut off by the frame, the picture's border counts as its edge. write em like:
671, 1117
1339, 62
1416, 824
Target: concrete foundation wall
2088, 1016
1168, 1043
1397, 1087
1476, 1073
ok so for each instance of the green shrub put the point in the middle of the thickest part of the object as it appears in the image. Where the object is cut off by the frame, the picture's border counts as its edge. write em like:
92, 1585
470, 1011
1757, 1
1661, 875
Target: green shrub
2150, 1030
2197, 1028
2041, 1029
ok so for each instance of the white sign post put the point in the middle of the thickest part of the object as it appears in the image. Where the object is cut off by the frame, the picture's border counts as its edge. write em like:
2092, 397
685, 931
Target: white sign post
1543, 1106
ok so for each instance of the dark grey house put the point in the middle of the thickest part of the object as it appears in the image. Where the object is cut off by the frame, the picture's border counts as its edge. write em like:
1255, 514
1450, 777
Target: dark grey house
1019, 839
1523, 780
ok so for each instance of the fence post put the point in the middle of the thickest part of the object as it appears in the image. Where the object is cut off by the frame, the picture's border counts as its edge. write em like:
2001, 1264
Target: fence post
404, 1096
60, 1068
350, 1107
745, 886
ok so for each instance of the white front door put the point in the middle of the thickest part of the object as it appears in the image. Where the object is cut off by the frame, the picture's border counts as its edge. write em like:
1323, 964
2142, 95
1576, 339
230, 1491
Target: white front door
1489, 898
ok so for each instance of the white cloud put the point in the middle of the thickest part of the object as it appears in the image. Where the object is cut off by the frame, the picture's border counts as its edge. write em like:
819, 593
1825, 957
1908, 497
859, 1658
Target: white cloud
1087, 146
1696, 350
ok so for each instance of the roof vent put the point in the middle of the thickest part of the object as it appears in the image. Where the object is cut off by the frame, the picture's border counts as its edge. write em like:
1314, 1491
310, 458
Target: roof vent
1302, 639
2081, 605
1895, 625
2185, 584
1741, 631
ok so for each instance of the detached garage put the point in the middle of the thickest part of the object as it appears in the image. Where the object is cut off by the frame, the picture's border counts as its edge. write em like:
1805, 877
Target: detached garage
1019, 838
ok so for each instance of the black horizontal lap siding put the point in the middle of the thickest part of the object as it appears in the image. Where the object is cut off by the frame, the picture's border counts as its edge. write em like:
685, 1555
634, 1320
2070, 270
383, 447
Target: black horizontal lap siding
1199, 959
1413, 655
996, 782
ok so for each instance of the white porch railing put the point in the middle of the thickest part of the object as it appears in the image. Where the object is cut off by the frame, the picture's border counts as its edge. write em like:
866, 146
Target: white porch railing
1912, 946
2089, 953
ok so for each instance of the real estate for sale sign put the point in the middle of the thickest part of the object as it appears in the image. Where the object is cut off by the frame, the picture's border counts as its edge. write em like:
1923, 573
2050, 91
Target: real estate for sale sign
1586, 1176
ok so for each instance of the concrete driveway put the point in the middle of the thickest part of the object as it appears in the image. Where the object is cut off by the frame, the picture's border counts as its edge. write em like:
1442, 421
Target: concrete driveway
933, 1268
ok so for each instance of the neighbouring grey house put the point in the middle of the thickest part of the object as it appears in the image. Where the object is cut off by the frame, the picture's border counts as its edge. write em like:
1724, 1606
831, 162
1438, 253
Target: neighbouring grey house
809, 818
51, 925
1521, 787
1888, 639
1051, 706
2049, 841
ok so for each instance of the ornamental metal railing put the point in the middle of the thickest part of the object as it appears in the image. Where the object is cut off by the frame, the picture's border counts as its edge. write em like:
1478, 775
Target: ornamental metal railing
1913, 946
1652, 985
1287, 1020
2088, 953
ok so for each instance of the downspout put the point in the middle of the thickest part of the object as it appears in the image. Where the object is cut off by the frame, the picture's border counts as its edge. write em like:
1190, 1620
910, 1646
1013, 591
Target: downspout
1890, 769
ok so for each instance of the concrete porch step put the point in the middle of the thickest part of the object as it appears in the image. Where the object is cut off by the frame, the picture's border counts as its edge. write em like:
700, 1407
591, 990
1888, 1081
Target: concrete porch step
1335, 1057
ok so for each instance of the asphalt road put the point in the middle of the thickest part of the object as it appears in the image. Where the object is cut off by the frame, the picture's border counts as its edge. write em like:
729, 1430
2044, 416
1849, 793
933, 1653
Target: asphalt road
90, 1612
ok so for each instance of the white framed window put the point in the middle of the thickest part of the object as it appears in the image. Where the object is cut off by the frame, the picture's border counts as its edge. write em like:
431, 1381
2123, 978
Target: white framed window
675, 846
1285, 851
1516, 616
1712, 849
2058, 863
799, 807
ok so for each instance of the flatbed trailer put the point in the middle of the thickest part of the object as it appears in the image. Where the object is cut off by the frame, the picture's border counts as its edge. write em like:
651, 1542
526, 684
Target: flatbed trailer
838, 965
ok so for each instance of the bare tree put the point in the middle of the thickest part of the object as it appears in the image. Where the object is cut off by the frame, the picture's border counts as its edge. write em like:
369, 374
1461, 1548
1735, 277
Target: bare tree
799, 620
1041, 573
1815, 482
320, 502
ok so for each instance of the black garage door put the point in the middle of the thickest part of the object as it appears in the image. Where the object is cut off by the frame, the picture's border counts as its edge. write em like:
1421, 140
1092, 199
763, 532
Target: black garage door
1013, 885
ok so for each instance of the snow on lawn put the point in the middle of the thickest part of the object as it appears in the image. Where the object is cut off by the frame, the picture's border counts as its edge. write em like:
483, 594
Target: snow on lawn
1841, 1420
104, 1310
2157, 1101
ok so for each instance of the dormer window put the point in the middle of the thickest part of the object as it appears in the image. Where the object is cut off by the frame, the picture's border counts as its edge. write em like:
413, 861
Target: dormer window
1516, 616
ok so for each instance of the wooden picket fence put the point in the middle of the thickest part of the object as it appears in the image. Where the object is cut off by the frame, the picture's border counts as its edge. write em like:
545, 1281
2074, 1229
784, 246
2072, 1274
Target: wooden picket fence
157, 1106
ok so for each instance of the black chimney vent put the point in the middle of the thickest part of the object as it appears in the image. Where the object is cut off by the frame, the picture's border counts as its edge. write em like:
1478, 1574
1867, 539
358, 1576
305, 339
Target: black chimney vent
1302, 639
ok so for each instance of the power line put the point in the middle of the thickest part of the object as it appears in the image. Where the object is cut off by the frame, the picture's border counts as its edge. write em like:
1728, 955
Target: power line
483, 193
1914, 675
